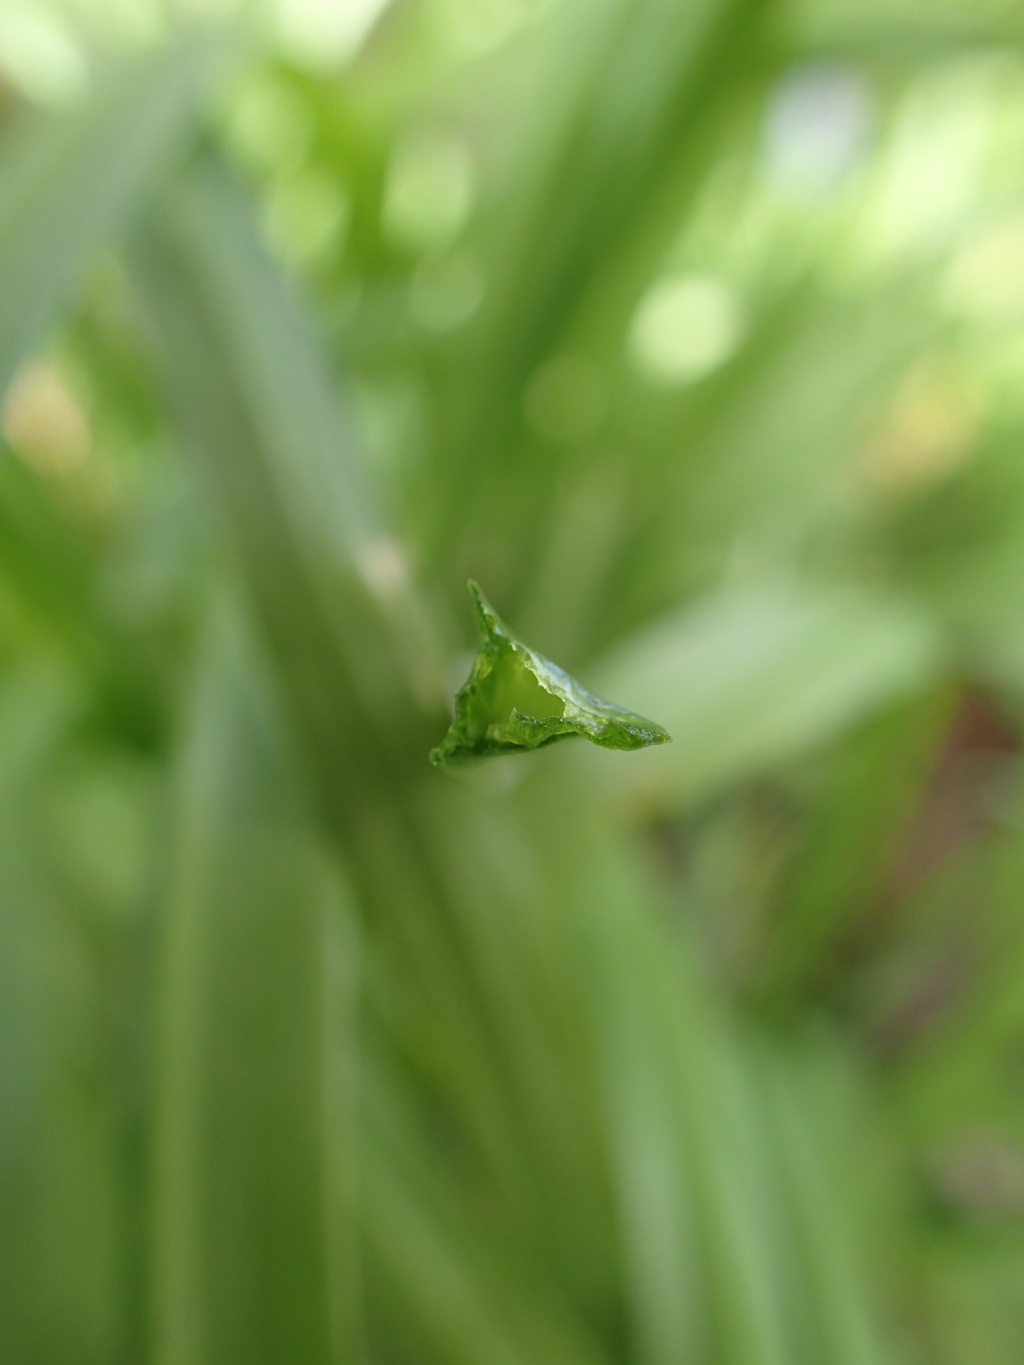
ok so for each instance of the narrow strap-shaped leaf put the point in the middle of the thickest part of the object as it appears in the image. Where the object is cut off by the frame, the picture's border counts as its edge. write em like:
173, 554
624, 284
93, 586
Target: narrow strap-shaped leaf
814, 1144
253, 397
466, 1301
61, 1276
248, 1236
702, 1261
68, 185
748, 676
624, 119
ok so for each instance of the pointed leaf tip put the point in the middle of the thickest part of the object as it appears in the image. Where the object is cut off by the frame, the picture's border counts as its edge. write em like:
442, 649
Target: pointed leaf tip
515, 700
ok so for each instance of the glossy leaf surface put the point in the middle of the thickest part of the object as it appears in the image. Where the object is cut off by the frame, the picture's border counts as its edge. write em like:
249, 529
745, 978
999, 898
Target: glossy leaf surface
515, 700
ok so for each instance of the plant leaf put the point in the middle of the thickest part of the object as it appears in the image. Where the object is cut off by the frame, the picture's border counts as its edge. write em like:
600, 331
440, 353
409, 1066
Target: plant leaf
250, 1202
515, 700
105, 159
255, 401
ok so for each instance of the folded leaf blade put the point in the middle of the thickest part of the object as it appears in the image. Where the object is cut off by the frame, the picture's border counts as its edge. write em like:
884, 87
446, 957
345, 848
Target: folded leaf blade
515, 700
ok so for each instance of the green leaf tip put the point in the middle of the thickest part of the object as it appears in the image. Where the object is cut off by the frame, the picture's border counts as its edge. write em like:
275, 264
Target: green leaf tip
514, 700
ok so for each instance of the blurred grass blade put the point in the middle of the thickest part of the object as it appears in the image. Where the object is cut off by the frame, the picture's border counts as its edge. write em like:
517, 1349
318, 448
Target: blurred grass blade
747, 678
612, 162
821, 1170
68, 186
49, 569
661, 1020
875, 783
662, 1270
735, 1235
463, 1298
244, 1159
59, 1254
447, 1280
254, 399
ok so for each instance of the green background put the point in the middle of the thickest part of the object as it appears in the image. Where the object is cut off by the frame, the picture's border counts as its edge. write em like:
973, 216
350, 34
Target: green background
694, 331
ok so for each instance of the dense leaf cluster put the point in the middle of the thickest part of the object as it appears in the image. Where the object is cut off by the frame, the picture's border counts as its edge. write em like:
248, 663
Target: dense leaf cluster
693, 329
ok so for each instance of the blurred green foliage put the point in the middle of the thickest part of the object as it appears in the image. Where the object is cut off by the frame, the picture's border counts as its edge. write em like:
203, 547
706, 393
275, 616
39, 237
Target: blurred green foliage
694, 329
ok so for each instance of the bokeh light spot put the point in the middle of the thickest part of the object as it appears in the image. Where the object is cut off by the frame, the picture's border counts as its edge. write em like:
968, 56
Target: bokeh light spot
816, 127
684, 328
320, 34
986, 276
44, 423
429, 191
270, 126
39, 55
307, 216
928, 430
